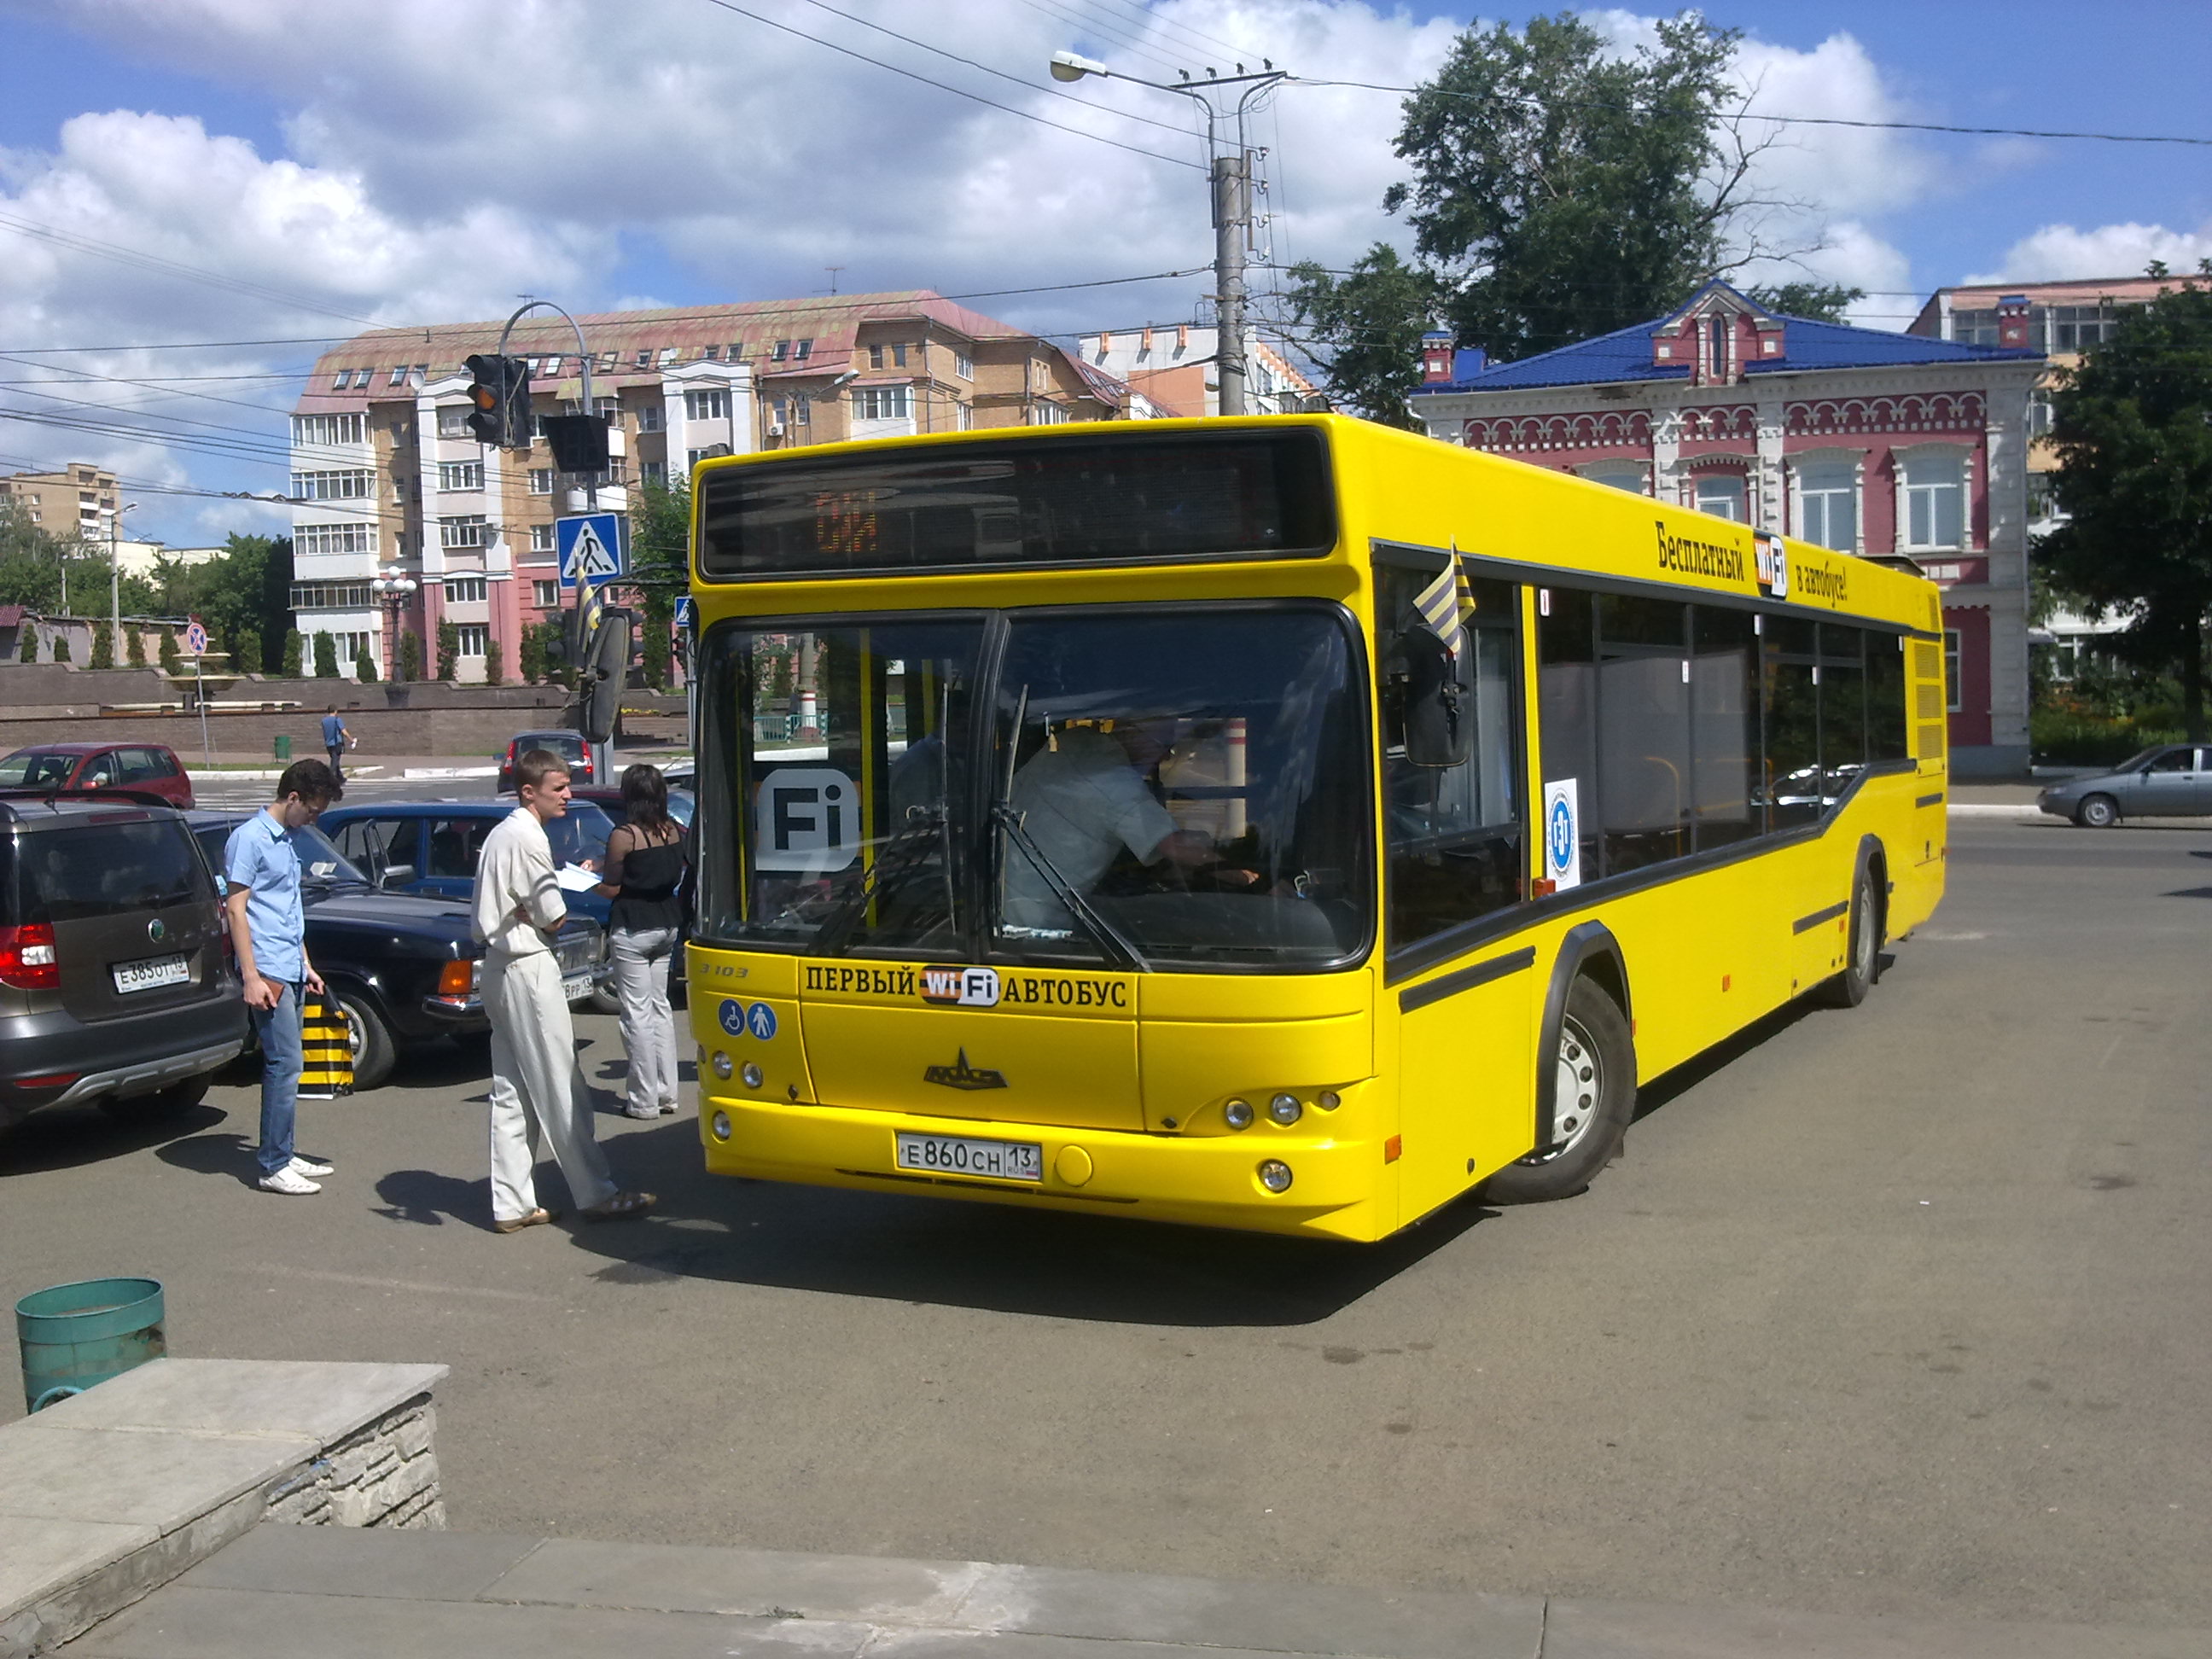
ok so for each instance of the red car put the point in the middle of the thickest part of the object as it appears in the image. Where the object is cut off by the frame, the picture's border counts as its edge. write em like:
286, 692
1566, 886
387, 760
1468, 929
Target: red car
146, 769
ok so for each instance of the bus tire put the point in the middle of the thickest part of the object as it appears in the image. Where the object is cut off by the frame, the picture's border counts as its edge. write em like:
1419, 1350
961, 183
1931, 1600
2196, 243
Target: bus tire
1595, 1099
1864, 940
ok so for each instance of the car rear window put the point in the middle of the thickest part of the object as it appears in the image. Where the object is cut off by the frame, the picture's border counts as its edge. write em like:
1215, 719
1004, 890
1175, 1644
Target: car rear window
31, 767
83, 871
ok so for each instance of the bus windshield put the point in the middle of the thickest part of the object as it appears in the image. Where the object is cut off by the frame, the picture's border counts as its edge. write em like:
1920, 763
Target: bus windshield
1136, 788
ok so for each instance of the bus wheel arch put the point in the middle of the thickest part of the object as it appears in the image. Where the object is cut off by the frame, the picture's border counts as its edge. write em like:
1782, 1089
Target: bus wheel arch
1866, 925
1586, 1030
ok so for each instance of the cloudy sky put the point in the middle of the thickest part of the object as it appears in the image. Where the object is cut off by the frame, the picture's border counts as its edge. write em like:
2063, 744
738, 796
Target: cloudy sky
194, 194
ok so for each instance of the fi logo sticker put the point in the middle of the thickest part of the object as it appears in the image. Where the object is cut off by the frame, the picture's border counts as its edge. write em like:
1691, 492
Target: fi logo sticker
1563, 835
806, 817
967, 987
1774, 565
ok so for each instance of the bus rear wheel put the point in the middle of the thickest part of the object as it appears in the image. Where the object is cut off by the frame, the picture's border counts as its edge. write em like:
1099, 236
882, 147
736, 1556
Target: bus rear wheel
1863, 958
1593, 1100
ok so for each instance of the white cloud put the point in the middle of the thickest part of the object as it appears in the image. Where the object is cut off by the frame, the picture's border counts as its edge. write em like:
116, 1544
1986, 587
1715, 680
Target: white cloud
2062, 252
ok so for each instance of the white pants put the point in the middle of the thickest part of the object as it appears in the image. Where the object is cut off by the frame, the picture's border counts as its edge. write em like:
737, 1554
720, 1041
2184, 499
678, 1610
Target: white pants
538, 1095
648, 1028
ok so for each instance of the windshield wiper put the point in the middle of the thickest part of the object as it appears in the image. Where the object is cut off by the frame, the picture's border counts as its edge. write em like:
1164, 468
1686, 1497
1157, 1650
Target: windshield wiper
1116, 944
904, 854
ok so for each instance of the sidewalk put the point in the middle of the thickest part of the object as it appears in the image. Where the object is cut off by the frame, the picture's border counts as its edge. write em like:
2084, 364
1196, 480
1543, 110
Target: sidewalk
364, 1594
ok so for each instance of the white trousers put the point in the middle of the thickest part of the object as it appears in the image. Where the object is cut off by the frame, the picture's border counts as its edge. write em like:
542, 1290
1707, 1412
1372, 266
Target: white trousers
649, 1027
538, 1095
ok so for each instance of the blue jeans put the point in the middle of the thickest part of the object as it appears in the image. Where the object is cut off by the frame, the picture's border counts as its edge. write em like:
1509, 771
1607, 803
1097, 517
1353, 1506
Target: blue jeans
279, 1029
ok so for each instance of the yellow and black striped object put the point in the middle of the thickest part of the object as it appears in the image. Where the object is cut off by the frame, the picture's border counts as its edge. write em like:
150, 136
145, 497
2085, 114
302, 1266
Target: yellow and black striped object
326, 1050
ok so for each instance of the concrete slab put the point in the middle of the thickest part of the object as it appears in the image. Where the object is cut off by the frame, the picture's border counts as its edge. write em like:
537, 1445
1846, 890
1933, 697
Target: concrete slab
682, 1578
1301, 1618
325, 1400
147, 1477
403, 1561
37, 1556
1629, 1630
906, 1643
221, 1623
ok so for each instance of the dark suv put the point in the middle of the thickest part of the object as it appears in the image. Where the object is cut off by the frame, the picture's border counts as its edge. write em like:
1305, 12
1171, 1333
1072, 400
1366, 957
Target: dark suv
564, 741
116, 983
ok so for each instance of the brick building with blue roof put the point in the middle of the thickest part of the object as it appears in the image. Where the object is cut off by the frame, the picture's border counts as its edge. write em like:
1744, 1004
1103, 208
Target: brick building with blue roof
1878, 444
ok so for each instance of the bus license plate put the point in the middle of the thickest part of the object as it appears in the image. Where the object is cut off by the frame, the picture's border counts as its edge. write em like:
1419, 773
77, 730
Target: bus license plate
145, 975
957, 1155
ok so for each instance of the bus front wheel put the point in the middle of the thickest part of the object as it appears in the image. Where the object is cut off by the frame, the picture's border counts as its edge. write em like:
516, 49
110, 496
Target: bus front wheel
1592, 1102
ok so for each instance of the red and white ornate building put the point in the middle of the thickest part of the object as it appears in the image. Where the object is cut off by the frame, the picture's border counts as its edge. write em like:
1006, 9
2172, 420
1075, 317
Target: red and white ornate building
1873, 443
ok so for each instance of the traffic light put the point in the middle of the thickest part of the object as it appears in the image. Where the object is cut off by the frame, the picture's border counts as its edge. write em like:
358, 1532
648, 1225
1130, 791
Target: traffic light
579, 443
500, 389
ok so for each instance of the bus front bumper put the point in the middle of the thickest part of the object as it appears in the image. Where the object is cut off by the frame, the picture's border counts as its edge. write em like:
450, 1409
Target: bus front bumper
1211, 1181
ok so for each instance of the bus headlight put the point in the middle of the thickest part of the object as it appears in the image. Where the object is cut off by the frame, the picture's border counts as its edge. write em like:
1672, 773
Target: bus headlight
723, 1065
1238, 1114
751, 1075
1286, 1109
721, 1125
1328, 1100
1275, 1175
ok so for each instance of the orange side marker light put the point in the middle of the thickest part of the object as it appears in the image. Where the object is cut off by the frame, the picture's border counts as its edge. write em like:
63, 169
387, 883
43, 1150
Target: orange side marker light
1391, 1148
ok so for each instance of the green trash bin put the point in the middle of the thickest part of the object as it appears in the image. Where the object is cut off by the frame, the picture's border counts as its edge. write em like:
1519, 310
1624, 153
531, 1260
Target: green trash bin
283, 745
74, 1335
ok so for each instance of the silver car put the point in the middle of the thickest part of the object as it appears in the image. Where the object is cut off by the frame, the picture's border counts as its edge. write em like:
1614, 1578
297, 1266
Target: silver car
2169, 780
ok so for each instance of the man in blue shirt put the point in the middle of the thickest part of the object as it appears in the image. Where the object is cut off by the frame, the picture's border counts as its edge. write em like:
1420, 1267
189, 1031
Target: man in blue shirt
336, 740
268, 931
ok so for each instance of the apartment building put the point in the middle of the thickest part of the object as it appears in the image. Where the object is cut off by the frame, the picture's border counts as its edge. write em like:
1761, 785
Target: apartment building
68, 503
2062, 320
389, 480
1869, 442
1175, 367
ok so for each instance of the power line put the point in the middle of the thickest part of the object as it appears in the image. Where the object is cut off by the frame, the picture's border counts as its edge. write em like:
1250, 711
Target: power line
1158, 22
1062, 14
957, 92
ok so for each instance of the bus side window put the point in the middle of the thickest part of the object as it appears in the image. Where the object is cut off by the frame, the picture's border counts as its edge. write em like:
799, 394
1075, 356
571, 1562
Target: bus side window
1843, 708
1457, 846
1887, 738
1644, 731
1723, 727
1792, 760
1566, 691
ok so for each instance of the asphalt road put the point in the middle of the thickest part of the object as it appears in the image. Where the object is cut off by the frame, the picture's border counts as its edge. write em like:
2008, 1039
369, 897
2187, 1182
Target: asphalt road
1896, 1310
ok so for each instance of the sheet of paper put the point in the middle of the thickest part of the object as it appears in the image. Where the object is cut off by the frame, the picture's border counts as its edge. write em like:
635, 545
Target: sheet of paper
574, 878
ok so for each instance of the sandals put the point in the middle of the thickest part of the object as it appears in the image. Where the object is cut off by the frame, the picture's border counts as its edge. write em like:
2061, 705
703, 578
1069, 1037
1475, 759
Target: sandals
623, 1206
537, 1218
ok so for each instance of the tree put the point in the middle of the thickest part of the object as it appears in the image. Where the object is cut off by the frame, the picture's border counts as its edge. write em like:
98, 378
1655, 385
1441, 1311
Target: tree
449, 649
410, 656
530, 657
326, 657
1559, 190
248, 660
661, 564
61, 646
134, 645
168, 652
288, 665
364, 665
103, 647
495, 663
2133, 427
1824, 302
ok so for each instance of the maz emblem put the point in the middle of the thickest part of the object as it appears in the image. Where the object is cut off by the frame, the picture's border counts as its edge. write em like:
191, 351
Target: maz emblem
964, 1076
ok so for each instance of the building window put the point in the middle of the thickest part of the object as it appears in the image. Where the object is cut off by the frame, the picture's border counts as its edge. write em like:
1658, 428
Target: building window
348, 486
553, 366
1977, 328
2078, 328
2042, 496
649, 418
875, 357
342, 379
327, 428
453, 420
541, 481
706, 405
618, 470
331, 596
1828, 503
710, 353
473, 637
1721, 494
460, 475
464, 590
541, 539
964, 416
398, 375
2038, 412
1951, 659
545, 595
462, 532
607, 409
1716, 333
1630, 478
644, 358
782, 353
350, 648
801, 351
964, 365
653, 471
882, 403
669, 355
1044, 412
1934, 502
324, 539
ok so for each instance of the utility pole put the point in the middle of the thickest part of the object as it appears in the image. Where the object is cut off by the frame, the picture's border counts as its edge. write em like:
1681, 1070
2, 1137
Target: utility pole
1231, 179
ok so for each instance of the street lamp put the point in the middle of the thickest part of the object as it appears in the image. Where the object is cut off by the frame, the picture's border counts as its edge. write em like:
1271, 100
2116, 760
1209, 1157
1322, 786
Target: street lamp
1232, 194
394, 591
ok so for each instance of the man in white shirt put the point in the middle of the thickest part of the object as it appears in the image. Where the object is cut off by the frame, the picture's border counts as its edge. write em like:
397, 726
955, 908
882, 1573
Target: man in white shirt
538, 1089
1082, 800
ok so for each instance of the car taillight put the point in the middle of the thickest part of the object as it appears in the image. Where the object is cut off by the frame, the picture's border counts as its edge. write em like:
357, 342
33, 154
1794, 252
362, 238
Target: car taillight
27, 961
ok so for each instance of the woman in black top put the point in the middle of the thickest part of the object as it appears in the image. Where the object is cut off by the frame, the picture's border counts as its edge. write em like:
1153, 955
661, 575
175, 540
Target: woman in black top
644, 875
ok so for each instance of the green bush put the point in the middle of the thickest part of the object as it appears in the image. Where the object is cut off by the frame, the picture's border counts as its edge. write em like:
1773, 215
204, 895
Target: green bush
495, 663
168, 653
134, 651
2061, 737
364, 666
290, 660
326, 657
410, 657
103, 647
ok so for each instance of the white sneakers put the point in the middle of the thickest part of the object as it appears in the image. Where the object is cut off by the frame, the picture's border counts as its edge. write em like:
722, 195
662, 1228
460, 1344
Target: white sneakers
289, 1182
314, 1168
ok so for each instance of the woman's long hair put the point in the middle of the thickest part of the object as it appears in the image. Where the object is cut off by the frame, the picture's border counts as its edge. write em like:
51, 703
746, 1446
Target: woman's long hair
645, 801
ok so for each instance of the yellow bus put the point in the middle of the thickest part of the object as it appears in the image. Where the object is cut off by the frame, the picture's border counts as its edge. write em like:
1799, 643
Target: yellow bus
1285, 824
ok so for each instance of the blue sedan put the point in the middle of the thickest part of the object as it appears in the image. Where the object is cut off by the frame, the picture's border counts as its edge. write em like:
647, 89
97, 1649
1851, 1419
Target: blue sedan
432, 846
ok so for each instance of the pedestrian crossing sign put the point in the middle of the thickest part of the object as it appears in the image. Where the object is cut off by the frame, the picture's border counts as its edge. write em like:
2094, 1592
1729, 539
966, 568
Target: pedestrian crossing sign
593, 544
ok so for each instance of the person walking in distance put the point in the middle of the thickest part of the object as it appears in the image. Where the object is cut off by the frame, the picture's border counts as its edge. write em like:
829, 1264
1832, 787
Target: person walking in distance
538, 1089
268, 935
336, 740
644, 871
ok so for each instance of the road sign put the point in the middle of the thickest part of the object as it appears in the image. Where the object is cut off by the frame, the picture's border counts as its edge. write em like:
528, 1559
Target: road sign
196, 641
684, 614
593, 543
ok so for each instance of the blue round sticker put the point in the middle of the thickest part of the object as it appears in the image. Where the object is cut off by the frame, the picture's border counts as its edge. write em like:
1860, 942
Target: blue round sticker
761, 1019
1560, 839
732, 1017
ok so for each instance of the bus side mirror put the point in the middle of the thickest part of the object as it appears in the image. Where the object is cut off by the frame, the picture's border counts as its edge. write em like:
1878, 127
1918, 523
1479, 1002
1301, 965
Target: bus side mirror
1439, 702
